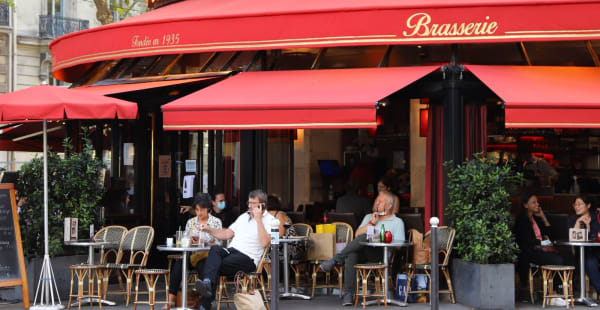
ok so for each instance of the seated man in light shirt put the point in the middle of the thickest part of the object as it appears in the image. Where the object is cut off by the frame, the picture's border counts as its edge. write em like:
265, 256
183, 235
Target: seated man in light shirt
355, 253
249, 236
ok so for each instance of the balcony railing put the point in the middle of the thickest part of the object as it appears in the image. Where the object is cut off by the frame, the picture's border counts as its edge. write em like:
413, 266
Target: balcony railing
55, 26
4, 14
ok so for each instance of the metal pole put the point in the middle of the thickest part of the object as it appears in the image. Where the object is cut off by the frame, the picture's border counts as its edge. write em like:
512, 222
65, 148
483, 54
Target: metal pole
275, 264
45, 138
435, 285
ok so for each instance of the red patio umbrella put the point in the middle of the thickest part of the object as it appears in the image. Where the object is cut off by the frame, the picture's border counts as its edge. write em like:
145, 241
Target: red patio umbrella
43, 103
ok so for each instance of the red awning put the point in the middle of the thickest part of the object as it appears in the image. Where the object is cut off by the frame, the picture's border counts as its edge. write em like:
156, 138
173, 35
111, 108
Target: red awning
57, 103
123, 88
342, 98
545, 97
194, 26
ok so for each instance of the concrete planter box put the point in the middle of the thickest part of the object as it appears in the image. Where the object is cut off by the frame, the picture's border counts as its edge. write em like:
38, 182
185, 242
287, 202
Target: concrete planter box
490, 286
62, 274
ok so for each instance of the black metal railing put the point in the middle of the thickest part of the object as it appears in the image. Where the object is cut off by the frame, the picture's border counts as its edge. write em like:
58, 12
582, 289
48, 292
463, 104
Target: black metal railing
52, 26
4, 14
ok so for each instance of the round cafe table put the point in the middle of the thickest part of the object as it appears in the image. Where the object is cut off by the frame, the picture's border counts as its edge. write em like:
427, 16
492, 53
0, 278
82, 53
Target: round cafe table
184, 251
386, 247
91, 244
286, 293
581, 245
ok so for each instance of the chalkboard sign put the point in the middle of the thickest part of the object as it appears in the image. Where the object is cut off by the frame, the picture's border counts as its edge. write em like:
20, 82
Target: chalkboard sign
12, 264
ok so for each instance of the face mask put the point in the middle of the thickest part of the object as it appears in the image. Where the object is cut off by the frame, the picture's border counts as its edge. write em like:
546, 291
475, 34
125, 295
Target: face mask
221, 205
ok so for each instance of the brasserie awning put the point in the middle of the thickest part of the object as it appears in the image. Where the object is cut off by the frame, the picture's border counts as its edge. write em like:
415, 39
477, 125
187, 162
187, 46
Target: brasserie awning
334, 98
545, 97
130, 87
194, 26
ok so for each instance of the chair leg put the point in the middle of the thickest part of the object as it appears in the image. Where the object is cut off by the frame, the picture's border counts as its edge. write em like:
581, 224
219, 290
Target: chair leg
449, 283
70, 291
531, 285
137, 289
365, 277
382, 275
356, 290
544, 287
409, 274
314, 279
378, 287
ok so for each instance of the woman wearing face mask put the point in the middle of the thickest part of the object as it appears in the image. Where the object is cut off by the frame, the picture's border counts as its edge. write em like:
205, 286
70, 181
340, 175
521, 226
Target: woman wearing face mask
221, 211
585, 217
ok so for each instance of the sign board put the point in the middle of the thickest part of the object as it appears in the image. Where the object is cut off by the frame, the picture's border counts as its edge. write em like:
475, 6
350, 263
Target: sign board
190, 165
577, 234
164, 166
12, 264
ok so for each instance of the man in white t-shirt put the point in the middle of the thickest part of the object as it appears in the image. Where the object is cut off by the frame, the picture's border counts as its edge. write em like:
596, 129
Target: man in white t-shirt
249, 236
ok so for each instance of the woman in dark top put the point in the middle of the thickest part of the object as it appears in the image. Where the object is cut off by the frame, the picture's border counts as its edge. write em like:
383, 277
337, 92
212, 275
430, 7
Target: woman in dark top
585, 217
533, 237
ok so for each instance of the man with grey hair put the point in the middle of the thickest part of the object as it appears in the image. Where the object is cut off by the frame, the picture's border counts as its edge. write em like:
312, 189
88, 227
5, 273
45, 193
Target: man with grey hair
249, 238
355, 253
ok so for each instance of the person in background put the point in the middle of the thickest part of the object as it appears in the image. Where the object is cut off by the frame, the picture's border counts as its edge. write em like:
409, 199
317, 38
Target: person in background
221, 210
351, 202
202, 204
585, 217
386, 184
274, 208
355, 252
249, 236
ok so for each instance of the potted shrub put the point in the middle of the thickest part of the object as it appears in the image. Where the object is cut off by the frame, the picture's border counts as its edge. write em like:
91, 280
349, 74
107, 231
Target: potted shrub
479, 209
74, 190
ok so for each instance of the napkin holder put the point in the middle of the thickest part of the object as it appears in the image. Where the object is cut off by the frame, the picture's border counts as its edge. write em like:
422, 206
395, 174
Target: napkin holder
578, 234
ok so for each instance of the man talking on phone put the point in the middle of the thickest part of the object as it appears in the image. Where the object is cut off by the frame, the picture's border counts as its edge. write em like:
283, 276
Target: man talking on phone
355, 253
249, 238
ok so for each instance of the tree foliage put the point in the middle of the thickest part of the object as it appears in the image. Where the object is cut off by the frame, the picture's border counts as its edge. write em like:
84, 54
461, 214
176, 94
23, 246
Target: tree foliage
74, 190
124, 9
479, 209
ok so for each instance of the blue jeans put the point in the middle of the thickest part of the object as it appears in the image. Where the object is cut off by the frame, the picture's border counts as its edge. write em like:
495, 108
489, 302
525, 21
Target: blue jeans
591, 267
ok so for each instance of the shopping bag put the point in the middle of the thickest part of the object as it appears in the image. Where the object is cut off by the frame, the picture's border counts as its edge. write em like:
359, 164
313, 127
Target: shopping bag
325, 228
321, 246
246, 297
421, 249
400, 292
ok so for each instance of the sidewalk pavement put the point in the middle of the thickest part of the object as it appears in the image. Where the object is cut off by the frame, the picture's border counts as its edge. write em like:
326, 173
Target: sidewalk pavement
318, 303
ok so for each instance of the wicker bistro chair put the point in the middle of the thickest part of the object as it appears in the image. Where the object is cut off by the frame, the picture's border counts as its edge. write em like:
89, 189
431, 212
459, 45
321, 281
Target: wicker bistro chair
109, 253
445, 241
343, 233
300, 265
136, 243
255, 277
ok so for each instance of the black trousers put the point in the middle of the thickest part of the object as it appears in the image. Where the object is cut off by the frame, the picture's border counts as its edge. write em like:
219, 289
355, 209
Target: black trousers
227, 262
540, 258
175, 285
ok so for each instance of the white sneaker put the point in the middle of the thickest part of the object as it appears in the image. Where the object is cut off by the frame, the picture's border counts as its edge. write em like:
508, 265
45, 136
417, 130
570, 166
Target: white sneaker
558, 302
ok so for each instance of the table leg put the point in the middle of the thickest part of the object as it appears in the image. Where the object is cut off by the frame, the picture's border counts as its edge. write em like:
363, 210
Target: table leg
390, 301
582, 299
286, 293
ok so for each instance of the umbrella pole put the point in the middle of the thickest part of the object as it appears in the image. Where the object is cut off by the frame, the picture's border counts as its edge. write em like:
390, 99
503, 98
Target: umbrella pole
47, 283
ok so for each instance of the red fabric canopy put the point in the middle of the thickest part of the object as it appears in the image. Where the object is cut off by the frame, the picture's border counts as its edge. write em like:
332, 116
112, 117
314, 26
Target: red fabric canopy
343, 98
123, 88
550, 97
193, 26
56, 103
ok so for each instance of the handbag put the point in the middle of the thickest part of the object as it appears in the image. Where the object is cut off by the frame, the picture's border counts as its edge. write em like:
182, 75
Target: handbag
197, 256
246, 297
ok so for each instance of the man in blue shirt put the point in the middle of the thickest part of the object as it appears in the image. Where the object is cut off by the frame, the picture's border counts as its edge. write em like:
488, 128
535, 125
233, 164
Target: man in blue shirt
355, 253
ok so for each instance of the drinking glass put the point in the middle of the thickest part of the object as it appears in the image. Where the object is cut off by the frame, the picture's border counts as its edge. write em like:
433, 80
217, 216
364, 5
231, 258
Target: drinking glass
178, 237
